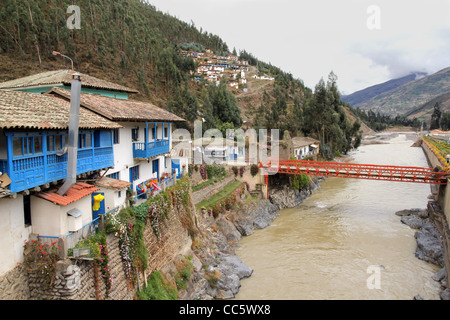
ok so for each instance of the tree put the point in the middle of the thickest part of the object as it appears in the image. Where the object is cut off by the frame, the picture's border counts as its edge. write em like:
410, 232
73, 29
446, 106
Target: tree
445, 121
435, 117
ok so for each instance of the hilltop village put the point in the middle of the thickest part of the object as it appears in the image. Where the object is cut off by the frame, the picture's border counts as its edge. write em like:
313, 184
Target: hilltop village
213, 68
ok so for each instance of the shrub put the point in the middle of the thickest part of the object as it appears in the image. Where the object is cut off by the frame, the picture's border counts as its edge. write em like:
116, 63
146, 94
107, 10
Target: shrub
41, 258
300, 181
157, 288
254, 170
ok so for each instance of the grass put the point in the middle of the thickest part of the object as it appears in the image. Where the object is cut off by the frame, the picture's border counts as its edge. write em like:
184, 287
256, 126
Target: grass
206, 183
227, 190
157, 288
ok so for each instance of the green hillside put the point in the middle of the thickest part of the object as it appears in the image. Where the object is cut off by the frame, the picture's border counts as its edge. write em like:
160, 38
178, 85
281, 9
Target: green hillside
131, 43
409, 96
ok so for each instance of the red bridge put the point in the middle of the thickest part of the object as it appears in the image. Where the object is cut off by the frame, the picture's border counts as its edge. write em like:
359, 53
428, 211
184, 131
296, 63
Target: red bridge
356, 171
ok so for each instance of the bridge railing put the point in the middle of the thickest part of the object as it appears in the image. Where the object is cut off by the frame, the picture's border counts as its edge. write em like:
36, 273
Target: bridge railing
352, 170
442, 157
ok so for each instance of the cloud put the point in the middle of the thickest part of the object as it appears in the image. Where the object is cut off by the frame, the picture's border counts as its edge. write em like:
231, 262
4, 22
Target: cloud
309, 39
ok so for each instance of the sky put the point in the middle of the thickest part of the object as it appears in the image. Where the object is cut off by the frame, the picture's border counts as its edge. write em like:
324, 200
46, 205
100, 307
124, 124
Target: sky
364, 42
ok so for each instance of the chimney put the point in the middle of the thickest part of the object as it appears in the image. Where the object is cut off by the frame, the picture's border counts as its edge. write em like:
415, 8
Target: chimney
72, 150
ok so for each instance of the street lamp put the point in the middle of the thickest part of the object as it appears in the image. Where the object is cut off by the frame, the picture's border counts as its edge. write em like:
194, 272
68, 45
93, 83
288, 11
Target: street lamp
56, 53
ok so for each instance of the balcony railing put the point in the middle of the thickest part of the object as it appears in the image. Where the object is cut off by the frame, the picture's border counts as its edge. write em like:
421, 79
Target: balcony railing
33, 171
150, 149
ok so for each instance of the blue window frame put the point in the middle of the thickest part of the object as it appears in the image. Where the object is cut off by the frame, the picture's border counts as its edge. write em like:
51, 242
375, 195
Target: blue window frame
115, 175
84, 140
27, 145
116, 136
135, 134
134, 173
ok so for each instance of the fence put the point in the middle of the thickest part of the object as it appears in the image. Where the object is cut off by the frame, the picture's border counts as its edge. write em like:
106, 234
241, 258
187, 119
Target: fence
167, 182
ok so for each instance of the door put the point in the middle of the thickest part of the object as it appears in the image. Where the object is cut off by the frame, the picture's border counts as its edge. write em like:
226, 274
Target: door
155, 164
98, 204
176, 167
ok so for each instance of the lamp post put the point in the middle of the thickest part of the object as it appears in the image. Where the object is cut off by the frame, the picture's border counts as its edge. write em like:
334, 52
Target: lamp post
56, 53
74, 119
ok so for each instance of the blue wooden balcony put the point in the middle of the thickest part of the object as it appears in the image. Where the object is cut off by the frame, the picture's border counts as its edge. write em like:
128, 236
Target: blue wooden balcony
156, 142
43, 162
150, 149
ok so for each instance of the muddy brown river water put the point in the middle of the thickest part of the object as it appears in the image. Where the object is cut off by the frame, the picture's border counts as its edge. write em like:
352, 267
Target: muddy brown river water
345, 241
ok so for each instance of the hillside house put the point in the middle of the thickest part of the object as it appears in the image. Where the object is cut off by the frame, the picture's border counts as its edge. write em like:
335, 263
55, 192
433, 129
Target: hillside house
143, 143
219, 150
33, 158
305, 147
122, 143
42, 82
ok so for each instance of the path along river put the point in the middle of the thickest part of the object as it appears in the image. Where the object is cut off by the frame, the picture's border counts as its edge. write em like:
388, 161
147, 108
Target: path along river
345, 241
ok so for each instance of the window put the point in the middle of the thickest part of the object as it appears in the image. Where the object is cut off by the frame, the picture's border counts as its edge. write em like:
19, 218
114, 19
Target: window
134, 173
17, 147
84, 140
115, 175
166, 132
116, 136
135, 134
51, 143
25, 146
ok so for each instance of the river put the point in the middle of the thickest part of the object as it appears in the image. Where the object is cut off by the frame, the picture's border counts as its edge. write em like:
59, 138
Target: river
345, 241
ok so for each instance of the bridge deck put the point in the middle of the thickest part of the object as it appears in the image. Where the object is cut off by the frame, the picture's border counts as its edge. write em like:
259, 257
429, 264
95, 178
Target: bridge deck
356, 171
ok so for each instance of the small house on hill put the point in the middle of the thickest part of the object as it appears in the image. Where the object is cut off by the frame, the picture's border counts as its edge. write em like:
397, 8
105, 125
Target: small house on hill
305, 147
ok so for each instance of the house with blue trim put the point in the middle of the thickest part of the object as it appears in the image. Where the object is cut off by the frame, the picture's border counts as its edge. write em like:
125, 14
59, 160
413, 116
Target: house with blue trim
122, 143
44, 81
33, 161
143, 143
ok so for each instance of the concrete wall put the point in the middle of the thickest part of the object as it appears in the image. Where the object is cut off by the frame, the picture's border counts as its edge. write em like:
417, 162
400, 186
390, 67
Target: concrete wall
123, 155
43, 211
13, 233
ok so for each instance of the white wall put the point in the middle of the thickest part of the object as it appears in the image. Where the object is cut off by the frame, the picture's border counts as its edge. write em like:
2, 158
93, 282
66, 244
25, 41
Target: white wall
49, 219
13, 233
123, 154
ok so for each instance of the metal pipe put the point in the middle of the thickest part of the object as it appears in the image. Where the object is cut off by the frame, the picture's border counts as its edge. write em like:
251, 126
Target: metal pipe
72, 150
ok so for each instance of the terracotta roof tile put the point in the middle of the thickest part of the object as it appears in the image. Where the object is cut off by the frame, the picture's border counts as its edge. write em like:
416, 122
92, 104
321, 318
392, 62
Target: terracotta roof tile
63, 77
39, 111
120, 109
76, 192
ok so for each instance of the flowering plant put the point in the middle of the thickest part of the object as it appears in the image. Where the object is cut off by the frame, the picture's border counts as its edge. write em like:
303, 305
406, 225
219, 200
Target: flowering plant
41, 258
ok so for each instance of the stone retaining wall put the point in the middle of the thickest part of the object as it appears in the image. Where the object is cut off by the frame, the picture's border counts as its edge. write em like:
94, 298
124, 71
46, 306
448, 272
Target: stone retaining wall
82, 279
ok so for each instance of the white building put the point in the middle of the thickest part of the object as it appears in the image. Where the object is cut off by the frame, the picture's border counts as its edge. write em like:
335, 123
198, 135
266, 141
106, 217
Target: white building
121, 143
304, 147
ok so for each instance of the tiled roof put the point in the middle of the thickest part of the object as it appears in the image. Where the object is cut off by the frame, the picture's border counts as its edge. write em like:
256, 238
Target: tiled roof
303, 141
39, 111
76, 192
110, 183
63, 77
120, 109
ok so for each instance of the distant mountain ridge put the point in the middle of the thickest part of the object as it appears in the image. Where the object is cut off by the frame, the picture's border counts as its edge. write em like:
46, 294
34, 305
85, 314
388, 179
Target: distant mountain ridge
405, 97
372, 91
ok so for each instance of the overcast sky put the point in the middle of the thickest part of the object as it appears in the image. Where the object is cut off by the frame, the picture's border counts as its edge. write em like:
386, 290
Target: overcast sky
364, 42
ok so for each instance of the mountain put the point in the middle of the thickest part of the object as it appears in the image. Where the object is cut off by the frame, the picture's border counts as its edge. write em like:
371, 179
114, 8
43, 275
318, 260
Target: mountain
423, 112
130, 43
365, 94
408, 96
